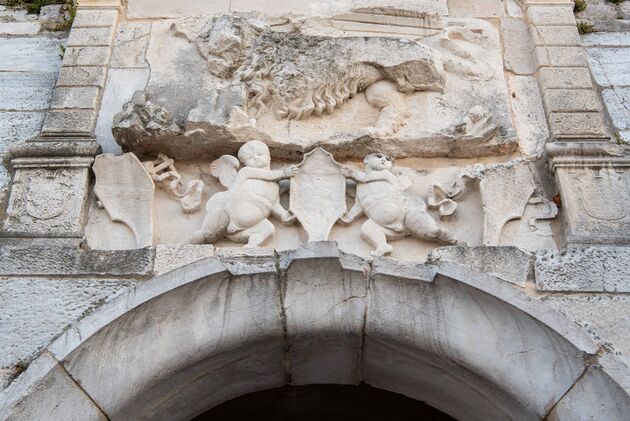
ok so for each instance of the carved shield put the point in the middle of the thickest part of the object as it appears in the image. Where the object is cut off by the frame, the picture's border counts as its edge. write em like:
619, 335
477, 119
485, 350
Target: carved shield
318, 194
601, 193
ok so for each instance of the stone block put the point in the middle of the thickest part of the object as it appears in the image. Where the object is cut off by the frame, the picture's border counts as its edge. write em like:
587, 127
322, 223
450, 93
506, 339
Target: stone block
606, 39
584, 269
617, 101
21, 91
508, 263
82, 76
17, 127
332, 299
556, 36
591, 398
130, 45
477, 9
169, 257
576, 124
28, 257
529, 114
91, 37
75, 97
565, 78
561, 56
68, 398
48, 202
121, 84
86, 56
76, 122
19, 28
570, 100
91, 18
610, 66
518, 51
137, 9
37, 54
37, 310
551, 15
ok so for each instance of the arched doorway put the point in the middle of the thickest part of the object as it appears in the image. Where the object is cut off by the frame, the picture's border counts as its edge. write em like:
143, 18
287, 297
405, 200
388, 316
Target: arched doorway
467, 344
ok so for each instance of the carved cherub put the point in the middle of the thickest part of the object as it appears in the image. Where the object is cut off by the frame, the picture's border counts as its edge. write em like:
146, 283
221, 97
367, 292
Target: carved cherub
241, 212
391, 213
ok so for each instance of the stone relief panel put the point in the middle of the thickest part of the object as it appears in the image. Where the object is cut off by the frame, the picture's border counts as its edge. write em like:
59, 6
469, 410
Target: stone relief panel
440, 92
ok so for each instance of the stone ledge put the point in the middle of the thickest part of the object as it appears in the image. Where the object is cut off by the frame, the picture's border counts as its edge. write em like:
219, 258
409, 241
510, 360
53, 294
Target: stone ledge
592, 269
52, 257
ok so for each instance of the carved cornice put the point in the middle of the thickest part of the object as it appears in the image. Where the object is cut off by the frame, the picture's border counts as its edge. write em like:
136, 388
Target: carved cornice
55, 153
587, 154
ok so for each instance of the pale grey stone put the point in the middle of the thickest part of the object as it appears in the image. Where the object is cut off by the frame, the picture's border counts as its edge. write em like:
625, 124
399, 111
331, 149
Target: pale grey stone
65, 257
37, 54
91, 37
75, 97
576, 124
604, 317
121, 85
610, 65
88, 18
82, 76
594, 397
479, 9
598, 10
561, 56
570, 100
386, 268
551, 15
606, 39
320, 295
19, 28
16, 127
52, 15
20, 91
518, 52
169, 257
70, 121
130, 45
35, 311
584, 269
566, 77
86, 56
617, 101
68, 399
529, 114
508, 263
556, 36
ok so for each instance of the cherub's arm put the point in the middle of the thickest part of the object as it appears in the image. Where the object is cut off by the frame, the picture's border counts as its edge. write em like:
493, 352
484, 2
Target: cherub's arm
270, 175
363, 177
353, 213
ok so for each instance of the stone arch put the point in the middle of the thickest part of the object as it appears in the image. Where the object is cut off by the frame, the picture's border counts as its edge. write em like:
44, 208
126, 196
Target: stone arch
466, 343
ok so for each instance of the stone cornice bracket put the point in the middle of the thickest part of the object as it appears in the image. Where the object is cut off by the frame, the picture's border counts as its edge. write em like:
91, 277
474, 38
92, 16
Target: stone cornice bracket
594, 182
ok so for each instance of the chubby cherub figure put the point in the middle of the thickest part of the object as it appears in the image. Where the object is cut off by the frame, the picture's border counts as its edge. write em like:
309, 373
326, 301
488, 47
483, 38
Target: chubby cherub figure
391, 213
241, 212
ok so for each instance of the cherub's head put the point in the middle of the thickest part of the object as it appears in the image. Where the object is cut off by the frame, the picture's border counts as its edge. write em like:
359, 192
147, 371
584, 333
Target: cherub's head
255, 154
378, 162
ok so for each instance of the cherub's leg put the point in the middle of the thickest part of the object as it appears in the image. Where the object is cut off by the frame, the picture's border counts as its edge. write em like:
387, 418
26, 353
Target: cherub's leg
375, 235
256, 235
422, 226
213, 228
384, 96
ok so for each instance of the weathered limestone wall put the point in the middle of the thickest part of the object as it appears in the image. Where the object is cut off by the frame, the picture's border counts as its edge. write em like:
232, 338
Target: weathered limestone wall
31, 56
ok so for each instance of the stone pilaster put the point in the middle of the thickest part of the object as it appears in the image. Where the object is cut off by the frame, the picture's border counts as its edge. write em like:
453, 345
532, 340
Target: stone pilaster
571, 104
50, 188
594, 181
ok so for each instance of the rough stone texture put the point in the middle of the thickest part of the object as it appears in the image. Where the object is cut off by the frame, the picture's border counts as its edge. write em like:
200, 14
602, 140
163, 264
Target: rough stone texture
62, 257
617, 100
37, 54
529, 114
561, 56
88, 18
16, 127
71, 121
584, 269
595, 392
576, 124
82, 76
570, 100
554, 15
171, 257
25, 91
518, 52
565, 77
86, 56
480, 9
508, 263
28, 324
130, 45
75, 97
609, 66
556, 36
19, 28
91, 37
68, 399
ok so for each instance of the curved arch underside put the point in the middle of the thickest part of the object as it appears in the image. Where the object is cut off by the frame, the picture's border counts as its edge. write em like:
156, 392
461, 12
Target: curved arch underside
468, 344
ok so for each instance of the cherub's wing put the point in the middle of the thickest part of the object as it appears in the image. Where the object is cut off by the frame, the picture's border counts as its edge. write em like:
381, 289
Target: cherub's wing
225, 169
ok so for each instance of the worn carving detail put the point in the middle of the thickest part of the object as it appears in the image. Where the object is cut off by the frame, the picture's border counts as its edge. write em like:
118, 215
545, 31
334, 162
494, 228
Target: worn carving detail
318, 194
162, 170
241, 212
392, 214
141, 119
125, 189
40, 204
598, 187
